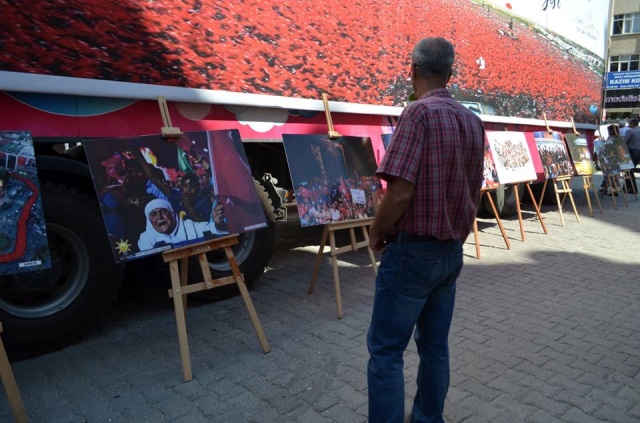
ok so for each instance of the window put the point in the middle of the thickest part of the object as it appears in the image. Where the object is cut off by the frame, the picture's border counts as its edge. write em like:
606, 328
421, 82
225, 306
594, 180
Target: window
623, 63
628, 23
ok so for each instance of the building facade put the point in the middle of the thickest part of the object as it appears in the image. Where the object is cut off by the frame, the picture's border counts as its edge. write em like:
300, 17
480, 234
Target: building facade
622, 82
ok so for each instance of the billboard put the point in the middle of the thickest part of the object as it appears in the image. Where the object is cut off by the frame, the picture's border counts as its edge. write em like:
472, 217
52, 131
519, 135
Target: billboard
621, 80
359, 53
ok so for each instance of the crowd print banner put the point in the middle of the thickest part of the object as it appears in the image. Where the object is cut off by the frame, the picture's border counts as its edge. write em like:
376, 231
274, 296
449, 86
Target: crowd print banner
512, 157
157, 194
553, 154
23, 235
333, 179
580, 154
357, 51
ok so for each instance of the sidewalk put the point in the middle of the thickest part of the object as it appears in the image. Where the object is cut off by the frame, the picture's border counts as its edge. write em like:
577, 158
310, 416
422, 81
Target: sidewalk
545, 332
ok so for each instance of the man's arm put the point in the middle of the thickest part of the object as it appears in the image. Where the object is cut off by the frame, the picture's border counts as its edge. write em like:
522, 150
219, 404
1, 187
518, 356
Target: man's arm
394, 203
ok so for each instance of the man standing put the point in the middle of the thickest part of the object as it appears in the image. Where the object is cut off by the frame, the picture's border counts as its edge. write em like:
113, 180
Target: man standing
433, 169
632, 137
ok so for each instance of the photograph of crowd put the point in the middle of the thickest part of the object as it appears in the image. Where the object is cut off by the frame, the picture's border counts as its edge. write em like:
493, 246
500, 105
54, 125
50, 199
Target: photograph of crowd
333, 179
553, 154
512, 157
300, 49
580, 154
23, 234
624, 157
489, 174
607, 156
157, 193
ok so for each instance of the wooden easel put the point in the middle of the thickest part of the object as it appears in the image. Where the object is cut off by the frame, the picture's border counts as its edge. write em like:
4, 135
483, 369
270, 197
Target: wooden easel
535, 205
179, 273
10, 386
180, 289
615, 188
587, 180
329, 232
564, 189
331, 228
487, 192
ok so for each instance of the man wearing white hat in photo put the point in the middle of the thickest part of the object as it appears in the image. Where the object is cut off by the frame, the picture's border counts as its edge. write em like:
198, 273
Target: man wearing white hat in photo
165, 228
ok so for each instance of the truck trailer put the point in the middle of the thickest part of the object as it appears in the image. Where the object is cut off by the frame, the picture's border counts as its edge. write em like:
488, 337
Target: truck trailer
73, 72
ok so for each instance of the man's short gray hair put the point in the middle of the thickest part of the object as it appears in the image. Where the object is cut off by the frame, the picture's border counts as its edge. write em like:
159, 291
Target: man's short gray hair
433, 56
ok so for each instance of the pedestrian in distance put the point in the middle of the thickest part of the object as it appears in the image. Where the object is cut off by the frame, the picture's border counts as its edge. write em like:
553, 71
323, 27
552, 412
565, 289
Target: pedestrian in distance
433, 169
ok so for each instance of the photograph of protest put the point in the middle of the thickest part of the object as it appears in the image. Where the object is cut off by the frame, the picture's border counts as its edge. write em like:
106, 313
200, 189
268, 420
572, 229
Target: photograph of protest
624, 157
580, 154
489, 174
512, 157
607, 156
553, 154
333, 179
157, 193
23, 235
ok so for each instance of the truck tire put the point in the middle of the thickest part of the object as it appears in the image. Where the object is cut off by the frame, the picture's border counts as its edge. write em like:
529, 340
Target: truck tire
504, 198
252, 252
48, 309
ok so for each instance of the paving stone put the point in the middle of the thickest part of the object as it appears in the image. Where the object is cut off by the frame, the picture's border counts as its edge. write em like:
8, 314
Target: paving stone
545, 332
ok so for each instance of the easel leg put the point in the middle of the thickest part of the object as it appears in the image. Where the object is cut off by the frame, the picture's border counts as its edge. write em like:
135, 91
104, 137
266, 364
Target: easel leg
336, 276
613, 186
497, 216
544, 190
372, 256
585, 187
247, 299
515, 188
533, 200
184, 280
475, 234
555, 191
567, 188
595, 194
10, 386
178, 305
316, 268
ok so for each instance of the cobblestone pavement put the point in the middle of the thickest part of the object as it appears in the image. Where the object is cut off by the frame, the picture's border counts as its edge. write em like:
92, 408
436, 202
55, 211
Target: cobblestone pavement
545, 332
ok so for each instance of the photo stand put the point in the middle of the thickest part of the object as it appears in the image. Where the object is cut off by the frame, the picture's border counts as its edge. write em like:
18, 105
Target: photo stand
179, 273
10, 386
587, 183
587, 180
487, 192
535, 205
329, 232
178, 260
565, 190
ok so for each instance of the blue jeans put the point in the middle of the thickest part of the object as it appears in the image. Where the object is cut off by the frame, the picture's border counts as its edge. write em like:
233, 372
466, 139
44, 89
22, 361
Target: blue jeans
415, 287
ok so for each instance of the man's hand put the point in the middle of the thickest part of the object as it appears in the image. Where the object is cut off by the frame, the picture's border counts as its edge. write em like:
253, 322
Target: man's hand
377, 238
218, 215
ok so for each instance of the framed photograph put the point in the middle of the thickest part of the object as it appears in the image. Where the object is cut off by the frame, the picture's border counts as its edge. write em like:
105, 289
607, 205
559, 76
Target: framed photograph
23, 233
333, 179
580, 154
157, 193
553, 154
512, 157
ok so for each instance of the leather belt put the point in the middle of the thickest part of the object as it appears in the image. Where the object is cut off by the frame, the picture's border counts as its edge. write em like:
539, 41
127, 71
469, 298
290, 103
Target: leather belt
409, 238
